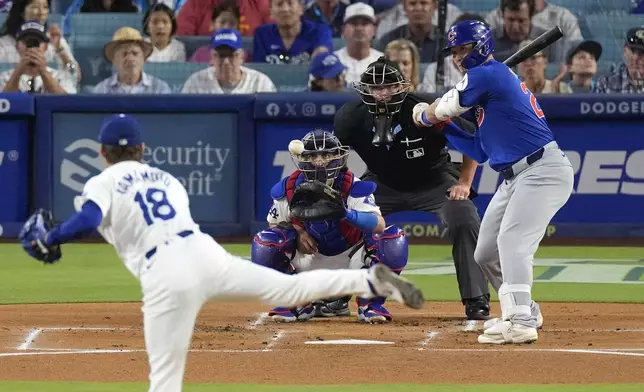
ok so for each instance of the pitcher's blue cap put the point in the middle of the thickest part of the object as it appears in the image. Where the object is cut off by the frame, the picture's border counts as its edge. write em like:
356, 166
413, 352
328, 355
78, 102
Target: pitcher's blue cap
120, 130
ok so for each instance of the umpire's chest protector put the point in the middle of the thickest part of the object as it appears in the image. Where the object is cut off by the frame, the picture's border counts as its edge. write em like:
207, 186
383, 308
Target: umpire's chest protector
332, 236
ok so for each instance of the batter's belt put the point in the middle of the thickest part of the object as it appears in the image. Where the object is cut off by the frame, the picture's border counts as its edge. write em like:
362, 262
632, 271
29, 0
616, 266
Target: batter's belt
510, 172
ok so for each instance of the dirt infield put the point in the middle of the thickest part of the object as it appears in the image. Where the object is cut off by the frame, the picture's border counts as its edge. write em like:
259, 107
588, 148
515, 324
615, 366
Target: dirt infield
234, 342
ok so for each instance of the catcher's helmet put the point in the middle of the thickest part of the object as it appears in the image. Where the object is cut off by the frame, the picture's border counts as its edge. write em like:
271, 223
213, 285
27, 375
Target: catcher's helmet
323, 157
382, 87
471, 32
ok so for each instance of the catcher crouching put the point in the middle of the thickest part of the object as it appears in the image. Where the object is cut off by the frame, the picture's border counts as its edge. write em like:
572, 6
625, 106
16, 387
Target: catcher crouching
324, 218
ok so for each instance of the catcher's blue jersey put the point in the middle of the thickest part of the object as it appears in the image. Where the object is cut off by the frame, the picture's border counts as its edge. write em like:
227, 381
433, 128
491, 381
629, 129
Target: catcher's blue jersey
511, 124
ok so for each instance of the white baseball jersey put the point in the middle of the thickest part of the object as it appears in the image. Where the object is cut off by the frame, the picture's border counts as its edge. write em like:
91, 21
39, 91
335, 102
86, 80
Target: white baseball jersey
142, 208
280, 212
205, 82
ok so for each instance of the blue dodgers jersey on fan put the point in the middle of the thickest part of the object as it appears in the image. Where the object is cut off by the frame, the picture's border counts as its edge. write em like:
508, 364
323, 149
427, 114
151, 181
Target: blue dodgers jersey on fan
510, 123
269, 48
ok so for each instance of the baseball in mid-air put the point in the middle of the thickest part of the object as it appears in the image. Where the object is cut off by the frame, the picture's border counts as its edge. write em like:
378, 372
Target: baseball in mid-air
296, 147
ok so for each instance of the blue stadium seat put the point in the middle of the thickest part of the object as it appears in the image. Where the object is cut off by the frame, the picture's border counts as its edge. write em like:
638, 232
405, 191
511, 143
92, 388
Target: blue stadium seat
612, 24
478, 6
175, 74
287, 78
338, 43
88, 51
103, 24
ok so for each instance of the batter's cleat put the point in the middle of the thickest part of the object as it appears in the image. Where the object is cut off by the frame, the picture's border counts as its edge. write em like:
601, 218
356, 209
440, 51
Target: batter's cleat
386, 283
373, 314
286, 315
332, 307
477, 308
492, 322
508, 332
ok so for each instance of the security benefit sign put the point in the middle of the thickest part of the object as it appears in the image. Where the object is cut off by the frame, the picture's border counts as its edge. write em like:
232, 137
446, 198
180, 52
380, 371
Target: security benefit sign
198, 149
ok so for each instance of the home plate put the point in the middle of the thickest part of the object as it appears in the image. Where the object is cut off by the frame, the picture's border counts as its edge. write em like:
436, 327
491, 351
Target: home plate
348, 341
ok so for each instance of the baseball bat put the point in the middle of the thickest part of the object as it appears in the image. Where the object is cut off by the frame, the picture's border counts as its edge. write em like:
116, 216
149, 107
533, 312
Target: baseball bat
541, 42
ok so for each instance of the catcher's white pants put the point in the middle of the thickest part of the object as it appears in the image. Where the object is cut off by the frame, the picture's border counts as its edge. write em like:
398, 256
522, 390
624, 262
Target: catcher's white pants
189, 271
305, 262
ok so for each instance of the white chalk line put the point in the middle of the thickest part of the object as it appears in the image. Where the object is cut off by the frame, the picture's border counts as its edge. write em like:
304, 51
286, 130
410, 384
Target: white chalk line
89, 329
83, 351
259, 321
428, 338
275, 338
31, 337
618, 352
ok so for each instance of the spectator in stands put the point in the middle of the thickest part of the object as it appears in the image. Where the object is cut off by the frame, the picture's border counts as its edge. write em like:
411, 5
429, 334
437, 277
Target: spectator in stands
31, 73
291, 39
127, 52
581, 66
109, 6
533, 74
545, 17
418, 30
195, 16
327, 73
405, 54
516, 28
358, 32
629, 76
224, 16
58, 49
396, 17
160, 26
328, 12
227, 75
451, 73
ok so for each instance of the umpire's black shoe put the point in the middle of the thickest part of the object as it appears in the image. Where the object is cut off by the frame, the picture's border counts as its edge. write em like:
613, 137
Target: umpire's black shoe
332, 307
478, 308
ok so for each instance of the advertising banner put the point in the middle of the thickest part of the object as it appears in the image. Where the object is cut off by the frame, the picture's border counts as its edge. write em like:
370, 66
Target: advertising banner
200, 149
14, 170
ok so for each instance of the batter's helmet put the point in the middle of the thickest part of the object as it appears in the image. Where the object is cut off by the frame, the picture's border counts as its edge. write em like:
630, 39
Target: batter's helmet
471, 32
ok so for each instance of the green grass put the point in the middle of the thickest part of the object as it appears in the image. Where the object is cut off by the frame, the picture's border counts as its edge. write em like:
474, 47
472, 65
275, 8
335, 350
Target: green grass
140, 387
93, 273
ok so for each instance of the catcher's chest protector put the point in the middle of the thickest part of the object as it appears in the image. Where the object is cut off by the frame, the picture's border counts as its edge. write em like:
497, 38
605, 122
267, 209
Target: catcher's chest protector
333, 237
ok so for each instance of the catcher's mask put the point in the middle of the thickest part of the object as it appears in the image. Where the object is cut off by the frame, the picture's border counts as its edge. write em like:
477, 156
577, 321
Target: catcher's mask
322, 157
383, 89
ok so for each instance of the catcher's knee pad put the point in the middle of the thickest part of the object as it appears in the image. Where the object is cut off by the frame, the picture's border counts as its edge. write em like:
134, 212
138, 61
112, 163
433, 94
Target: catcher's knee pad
275, 247
390, 248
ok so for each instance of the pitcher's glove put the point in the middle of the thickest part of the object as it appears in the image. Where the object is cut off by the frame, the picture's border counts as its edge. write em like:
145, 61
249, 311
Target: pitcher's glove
314, 201
33, 234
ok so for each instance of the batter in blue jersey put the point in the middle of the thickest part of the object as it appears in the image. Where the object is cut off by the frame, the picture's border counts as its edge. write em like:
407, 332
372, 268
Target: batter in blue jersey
513, 135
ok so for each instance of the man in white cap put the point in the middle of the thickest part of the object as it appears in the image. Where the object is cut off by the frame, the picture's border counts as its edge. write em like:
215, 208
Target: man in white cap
227, 75
358, 32
127, 52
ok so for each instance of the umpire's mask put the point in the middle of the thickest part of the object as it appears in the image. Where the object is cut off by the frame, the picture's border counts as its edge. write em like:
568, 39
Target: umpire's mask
383, 89
322, 157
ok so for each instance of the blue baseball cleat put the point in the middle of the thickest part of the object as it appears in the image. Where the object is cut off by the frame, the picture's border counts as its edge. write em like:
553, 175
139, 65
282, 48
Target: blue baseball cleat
286, 315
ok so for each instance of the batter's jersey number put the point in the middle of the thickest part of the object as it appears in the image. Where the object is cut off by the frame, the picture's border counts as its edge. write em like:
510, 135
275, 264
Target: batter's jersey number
533, 101
155, 204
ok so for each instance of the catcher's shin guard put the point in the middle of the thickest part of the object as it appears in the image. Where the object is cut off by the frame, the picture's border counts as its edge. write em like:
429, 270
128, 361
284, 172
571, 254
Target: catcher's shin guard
390, 248
275, 247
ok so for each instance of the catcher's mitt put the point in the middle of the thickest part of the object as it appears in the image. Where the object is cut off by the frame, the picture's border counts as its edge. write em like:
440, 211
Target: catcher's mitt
32, 237
314, 201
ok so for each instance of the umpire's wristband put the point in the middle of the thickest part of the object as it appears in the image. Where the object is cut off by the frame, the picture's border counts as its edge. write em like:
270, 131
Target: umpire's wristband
365, 220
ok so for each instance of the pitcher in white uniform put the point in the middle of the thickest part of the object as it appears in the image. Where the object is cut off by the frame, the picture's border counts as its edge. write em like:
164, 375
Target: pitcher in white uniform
144, 213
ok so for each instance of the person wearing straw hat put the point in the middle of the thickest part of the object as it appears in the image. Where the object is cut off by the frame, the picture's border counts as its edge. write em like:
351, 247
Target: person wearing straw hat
127, 52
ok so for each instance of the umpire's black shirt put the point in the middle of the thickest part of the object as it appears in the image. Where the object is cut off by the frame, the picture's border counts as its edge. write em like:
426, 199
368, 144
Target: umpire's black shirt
416, 159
